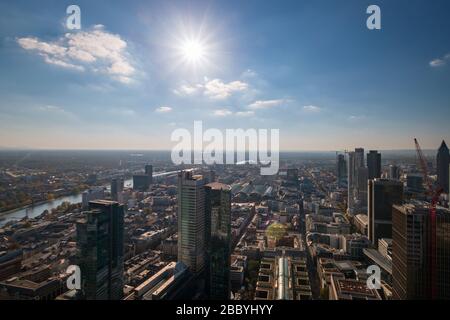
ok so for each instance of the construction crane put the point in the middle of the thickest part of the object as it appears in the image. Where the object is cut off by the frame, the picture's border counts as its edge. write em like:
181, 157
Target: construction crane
434, 193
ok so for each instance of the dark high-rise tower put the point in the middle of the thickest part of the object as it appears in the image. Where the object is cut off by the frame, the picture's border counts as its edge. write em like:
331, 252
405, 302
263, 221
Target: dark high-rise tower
116, 188
100, 248
359, 158
374, 164
350, 179
394, 172
355, 163
149, 172
218, 240
341, 170
443, 162
383, 194
411, 259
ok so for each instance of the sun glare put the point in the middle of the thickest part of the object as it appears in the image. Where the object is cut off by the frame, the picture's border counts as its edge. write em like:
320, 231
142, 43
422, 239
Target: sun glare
193, 51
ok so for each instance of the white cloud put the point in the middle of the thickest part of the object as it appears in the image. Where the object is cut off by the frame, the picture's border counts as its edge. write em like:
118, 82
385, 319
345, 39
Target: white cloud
217, 89
249, 73
57, 111
227, 113
266, 104
245, 113
163, 109
123, 112
437, 63
187, 90
214, 89
96, 50
50, 108
356, 118
222, 113
62, 63
440, 62
311, 108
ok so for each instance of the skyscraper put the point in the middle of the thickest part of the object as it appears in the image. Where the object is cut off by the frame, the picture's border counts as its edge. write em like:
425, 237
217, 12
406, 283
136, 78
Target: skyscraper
361, 187
218, 240
411, 261
341, 170
443, 162
149, 172
191, 221
355, 162
374, 164
141, 182
116, 188
350, 179
394, 172
359, 157
100, 251
383, 194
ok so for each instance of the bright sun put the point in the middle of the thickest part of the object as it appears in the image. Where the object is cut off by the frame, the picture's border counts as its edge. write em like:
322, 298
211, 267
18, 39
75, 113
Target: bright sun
193, 51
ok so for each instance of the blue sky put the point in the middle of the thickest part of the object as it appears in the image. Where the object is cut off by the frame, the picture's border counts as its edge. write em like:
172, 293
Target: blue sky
309, 68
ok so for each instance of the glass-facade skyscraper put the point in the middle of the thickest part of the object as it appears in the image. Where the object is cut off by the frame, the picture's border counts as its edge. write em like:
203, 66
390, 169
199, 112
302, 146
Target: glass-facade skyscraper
100, 251
383, 193
411, 261
443, 162
374, 164
218, 236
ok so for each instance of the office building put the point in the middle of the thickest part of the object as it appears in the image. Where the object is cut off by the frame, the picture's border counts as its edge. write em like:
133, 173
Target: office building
173, 282
10, 263
141, 182
100, 251
351, 289
361, 188
385, 248
443, 162
359, 157
350, 178
374, 164
394, 172
218, 240
191, 221
355, 163
116, 189
383, 194
411, 252
95, 193
341, 171
283, 278
414, 183
149, 172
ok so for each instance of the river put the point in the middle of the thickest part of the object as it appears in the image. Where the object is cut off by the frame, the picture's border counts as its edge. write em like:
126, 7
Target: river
37, 210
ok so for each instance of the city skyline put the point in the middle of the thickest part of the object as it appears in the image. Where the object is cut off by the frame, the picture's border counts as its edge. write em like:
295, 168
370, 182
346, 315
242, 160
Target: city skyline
137, 71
